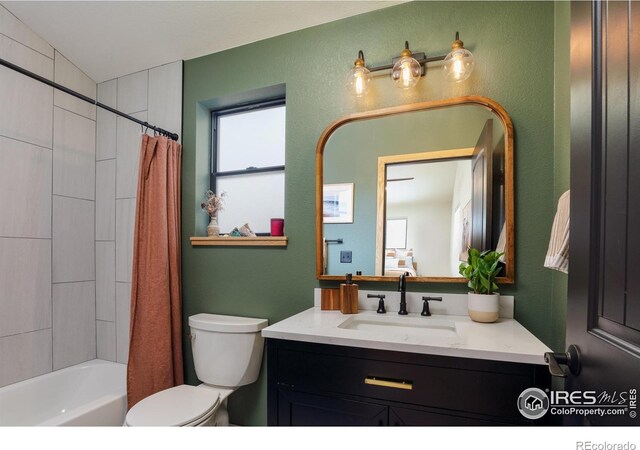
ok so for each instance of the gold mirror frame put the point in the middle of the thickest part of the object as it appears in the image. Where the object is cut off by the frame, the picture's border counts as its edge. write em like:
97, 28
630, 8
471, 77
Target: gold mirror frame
509, 278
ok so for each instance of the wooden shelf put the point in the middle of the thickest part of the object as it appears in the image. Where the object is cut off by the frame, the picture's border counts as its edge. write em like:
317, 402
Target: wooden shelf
233, 241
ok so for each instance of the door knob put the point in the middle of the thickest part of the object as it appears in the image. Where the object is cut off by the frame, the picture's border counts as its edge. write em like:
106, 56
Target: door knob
571, 359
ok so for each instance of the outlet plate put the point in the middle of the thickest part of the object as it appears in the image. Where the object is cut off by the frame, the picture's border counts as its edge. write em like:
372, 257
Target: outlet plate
345, 256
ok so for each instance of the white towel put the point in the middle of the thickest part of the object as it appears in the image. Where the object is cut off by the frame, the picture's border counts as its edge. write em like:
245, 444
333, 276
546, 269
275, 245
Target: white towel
558, 252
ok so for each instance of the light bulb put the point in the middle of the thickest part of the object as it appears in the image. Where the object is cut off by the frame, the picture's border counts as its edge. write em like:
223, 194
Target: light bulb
457, 66
359, 78
459, 63
406, 71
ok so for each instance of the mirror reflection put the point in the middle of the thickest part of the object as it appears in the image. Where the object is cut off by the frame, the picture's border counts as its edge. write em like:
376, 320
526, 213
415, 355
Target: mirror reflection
428, 218
416, 188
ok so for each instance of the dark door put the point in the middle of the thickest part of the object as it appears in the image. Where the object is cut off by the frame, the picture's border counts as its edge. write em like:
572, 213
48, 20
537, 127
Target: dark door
481, 167
603, 316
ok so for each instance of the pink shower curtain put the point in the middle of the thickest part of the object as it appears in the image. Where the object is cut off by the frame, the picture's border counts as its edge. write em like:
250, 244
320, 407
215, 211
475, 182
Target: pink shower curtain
155, 343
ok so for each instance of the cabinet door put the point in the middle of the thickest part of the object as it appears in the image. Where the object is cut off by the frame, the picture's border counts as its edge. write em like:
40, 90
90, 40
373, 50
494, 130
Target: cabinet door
416, 417
302, 409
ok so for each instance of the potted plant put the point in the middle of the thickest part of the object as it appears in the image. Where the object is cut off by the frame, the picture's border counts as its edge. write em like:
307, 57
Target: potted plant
481, 269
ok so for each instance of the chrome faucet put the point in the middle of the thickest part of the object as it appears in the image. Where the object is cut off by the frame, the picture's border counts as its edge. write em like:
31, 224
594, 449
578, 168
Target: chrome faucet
402, 287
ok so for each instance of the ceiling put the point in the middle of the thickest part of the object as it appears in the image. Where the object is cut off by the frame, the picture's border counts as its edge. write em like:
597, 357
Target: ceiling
432, 182
114, 38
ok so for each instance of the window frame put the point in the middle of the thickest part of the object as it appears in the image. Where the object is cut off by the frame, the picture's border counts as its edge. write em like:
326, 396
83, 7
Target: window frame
215, 116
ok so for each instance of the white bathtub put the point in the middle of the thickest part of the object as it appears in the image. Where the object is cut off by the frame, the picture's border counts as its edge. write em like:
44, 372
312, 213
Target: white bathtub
92, 393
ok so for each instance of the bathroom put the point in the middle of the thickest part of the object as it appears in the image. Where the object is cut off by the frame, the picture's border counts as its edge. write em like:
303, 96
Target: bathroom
69, 207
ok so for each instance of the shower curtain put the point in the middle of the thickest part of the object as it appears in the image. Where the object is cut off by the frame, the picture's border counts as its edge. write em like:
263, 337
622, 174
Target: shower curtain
155, 343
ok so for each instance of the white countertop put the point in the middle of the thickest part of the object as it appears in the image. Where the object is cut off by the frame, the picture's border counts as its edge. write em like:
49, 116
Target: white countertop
504, 340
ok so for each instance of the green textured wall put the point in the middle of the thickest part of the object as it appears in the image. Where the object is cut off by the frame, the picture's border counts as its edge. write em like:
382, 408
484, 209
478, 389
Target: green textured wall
514, 46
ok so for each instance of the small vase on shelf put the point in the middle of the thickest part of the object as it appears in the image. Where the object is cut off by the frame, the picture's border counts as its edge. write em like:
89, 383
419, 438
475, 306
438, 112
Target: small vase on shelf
213, 230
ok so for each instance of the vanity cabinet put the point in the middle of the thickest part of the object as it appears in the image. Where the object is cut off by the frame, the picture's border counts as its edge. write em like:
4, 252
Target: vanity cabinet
319, 384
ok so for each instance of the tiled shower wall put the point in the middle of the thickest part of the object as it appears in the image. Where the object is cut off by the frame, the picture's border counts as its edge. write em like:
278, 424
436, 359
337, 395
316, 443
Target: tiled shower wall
47, 202
68, 180
155, 96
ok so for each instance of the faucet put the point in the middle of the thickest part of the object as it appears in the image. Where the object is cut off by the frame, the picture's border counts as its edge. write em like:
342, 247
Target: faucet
425, 306
381, 309
402, 287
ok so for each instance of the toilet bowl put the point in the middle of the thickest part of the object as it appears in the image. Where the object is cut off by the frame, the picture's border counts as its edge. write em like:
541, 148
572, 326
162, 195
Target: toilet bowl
227, 354
182, 406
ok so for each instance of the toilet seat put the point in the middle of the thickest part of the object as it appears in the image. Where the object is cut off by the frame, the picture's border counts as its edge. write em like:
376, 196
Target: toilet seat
180, 406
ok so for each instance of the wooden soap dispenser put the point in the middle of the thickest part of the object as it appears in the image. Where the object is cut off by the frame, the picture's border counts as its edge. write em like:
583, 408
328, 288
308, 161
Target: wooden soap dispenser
349, 296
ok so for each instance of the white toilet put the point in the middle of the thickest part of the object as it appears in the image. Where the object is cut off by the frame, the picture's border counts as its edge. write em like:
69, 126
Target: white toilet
227, 354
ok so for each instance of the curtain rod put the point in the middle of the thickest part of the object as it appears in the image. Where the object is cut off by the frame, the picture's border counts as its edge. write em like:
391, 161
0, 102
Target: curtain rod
37, 77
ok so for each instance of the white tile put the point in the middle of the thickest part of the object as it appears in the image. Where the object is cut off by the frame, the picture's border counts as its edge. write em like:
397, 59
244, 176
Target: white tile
25, 189
74, 323
106, 122
106, 340
25, 277
74, 155
125, 222
29, 355
108, 93
68, 75
29, 117
106, 135
73, 240
132, 92
25, 57
106, 281
106, 200
15, 29
128, 151
165, 97
123, 314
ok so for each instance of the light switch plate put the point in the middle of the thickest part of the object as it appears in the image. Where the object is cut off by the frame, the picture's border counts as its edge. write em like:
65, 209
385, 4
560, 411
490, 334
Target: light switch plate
345, 256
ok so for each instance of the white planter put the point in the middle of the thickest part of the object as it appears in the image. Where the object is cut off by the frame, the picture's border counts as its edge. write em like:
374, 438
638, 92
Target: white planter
483, 307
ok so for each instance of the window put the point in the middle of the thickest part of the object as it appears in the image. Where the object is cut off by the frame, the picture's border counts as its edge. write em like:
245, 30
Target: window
248, 164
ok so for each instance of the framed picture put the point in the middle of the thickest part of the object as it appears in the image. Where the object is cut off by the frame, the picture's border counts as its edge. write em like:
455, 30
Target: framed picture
396, 233
337, 203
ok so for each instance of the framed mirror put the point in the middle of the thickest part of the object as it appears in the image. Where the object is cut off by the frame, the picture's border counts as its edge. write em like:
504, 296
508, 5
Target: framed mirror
427, 181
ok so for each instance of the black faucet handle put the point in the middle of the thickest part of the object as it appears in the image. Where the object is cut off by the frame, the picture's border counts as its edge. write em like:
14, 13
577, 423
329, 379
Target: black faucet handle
425, 305
402, 281
381, 309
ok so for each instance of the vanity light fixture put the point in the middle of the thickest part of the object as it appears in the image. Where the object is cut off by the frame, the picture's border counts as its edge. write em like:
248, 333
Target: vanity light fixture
407, 68
359, 78
458, 64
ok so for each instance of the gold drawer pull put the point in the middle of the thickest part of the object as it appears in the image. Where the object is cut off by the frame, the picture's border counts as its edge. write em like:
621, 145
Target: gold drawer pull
389, 383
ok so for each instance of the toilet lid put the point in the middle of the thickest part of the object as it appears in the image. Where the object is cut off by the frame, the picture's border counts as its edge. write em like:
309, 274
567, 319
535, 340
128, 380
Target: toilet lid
176, 406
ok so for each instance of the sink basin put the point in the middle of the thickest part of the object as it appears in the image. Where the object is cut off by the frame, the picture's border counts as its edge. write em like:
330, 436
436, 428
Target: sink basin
417, 326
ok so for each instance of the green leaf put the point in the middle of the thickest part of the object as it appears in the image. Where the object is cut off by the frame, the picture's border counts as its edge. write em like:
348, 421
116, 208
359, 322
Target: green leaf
481, 269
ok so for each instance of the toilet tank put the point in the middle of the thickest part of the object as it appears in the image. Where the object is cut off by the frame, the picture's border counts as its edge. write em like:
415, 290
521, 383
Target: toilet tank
227, 350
